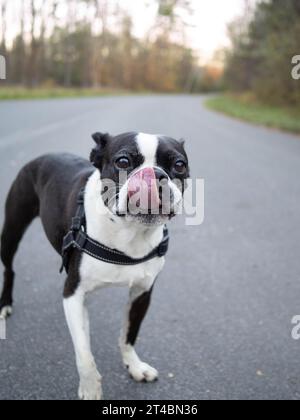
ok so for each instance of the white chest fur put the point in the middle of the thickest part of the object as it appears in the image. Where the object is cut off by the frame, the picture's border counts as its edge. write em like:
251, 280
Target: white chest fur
133, 239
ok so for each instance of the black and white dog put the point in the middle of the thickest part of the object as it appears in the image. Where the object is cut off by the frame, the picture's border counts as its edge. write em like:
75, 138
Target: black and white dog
48, 187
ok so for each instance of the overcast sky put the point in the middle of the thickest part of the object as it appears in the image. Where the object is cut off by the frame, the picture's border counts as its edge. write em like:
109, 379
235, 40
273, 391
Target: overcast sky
209, 20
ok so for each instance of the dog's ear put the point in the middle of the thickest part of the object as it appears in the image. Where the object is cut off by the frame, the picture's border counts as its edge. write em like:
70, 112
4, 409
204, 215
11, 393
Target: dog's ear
97, 153
100, 138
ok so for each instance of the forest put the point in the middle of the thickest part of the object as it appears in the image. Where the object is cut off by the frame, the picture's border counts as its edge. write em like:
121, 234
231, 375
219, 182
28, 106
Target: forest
265, 43
90, 43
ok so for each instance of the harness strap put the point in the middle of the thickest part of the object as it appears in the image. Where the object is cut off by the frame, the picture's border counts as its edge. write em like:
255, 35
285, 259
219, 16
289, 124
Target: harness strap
77, 238
78, 223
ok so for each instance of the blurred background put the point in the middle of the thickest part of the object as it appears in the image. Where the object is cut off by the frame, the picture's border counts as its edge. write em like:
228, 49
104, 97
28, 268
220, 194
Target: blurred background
152, 45
120, 46
220, 323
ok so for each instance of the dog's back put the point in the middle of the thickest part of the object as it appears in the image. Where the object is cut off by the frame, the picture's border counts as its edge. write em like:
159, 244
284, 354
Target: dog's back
40, 189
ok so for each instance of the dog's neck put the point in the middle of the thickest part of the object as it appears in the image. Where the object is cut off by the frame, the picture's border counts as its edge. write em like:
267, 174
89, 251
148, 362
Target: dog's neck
114, 232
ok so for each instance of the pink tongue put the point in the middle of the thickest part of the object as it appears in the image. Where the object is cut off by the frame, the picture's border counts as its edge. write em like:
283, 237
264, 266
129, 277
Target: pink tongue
142, 187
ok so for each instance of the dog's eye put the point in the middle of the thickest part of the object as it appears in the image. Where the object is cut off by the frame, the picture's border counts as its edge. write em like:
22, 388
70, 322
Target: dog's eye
123, 163
180, 167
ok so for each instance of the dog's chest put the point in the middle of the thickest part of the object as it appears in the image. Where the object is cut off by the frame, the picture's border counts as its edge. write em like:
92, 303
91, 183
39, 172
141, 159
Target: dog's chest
129, 238
96, 274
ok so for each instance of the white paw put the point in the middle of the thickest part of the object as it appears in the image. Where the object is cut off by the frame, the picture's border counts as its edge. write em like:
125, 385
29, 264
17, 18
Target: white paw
5, 312
90, 388
142, 372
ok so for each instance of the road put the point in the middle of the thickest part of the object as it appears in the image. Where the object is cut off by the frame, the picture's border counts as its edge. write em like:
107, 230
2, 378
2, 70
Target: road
220, 323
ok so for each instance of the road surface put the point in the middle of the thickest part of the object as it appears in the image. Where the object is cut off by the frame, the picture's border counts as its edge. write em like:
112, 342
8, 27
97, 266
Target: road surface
220, 323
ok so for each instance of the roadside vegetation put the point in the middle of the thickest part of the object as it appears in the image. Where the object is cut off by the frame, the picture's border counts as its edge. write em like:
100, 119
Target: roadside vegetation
264, 42
246, 108
8, 93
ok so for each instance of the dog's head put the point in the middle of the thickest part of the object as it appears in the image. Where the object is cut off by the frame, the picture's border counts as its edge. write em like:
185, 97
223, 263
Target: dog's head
143, 176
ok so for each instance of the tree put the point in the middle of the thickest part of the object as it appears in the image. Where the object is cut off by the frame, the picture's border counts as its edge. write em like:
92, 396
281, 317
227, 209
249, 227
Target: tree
92, 43
171, 15
100, 49
262, 49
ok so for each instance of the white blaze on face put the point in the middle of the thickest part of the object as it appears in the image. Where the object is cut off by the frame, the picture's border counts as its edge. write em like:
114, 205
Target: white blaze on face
148, 144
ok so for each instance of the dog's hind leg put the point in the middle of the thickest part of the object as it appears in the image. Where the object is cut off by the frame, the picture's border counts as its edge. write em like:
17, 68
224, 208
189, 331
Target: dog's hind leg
21, 209
139, 302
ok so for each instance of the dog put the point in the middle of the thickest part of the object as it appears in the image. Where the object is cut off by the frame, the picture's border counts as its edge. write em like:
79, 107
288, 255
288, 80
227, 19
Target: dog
49, 187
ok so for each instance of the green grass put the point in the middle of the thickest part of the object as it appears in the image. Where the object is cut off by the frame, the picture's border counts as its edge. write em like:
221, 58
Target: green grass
8, 93
244, 107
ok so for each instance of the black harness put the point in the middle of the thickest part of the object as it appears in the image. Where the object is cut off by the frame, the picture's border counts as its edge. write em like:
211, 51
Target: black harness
77, 238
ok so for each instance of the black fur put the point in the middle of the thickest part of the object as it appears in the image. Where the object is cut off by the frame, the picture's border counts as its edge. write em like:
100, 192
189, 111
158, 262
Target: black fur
168, 152
46, 187
137, 314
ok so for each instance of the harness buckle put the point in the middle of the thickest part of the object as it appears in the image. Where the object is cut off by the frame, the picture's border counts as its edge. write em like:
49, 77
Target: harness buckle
67, 241
76, 223
81, 240
67, 244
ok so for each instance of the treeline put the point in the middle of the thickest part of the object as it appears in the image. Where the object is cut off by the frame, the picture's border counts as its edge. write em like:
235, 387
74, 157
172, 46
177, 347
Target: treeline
93, 45
264, 42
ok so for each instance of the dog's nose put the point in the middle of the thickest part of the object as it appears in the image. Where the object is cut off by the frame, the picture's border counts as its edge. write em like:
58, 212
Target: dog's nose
165, 193
143, 189
160, 175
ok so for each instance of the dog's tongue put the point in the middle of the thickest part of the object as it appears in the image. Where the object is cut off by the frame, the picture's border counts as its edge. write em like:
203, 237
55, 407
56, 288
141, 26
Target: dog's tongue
142, 188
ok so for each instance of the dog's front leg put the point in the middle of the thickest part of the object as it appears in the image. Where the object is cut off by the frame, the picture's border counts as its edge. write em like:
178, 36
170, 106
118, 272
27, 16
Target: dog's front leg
78, 322
139, 302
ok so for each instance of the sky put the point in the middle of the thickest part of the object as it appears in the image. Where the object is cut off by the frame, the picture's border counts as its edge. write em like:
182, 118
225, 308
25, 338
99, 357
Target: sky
209, 21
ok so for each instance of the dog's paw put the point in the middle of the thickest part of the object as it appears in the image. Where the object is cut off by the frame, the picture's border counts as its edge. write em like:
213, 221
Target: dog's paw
142, 372
90, 389
89, 394
5, 312
138, 370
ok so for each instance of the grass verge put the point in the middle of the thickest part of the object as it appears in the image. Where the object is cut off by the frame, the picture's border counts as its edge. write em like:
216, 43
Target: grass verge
9, 93
244, 107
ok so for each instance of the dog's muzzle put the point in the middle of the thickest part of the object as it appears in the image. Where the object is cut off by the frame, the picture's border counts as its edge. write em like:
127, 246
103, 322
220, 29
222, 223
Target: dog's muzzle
149, 192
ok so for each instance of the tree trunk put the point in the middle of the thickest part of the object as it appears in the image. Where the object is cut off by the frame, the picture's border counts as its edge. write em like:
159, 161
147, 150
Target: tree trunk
22, 64
32, 65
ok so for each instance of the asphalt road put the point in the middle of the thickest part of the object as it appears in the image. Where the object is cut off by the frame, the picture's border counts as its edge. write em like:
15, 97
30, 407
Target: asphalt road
220, 323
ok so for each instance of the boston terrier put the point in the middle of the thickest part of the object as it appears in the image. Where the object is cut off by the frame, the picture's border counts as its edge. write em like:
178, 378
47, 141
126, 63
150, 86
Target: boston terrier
132, 186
